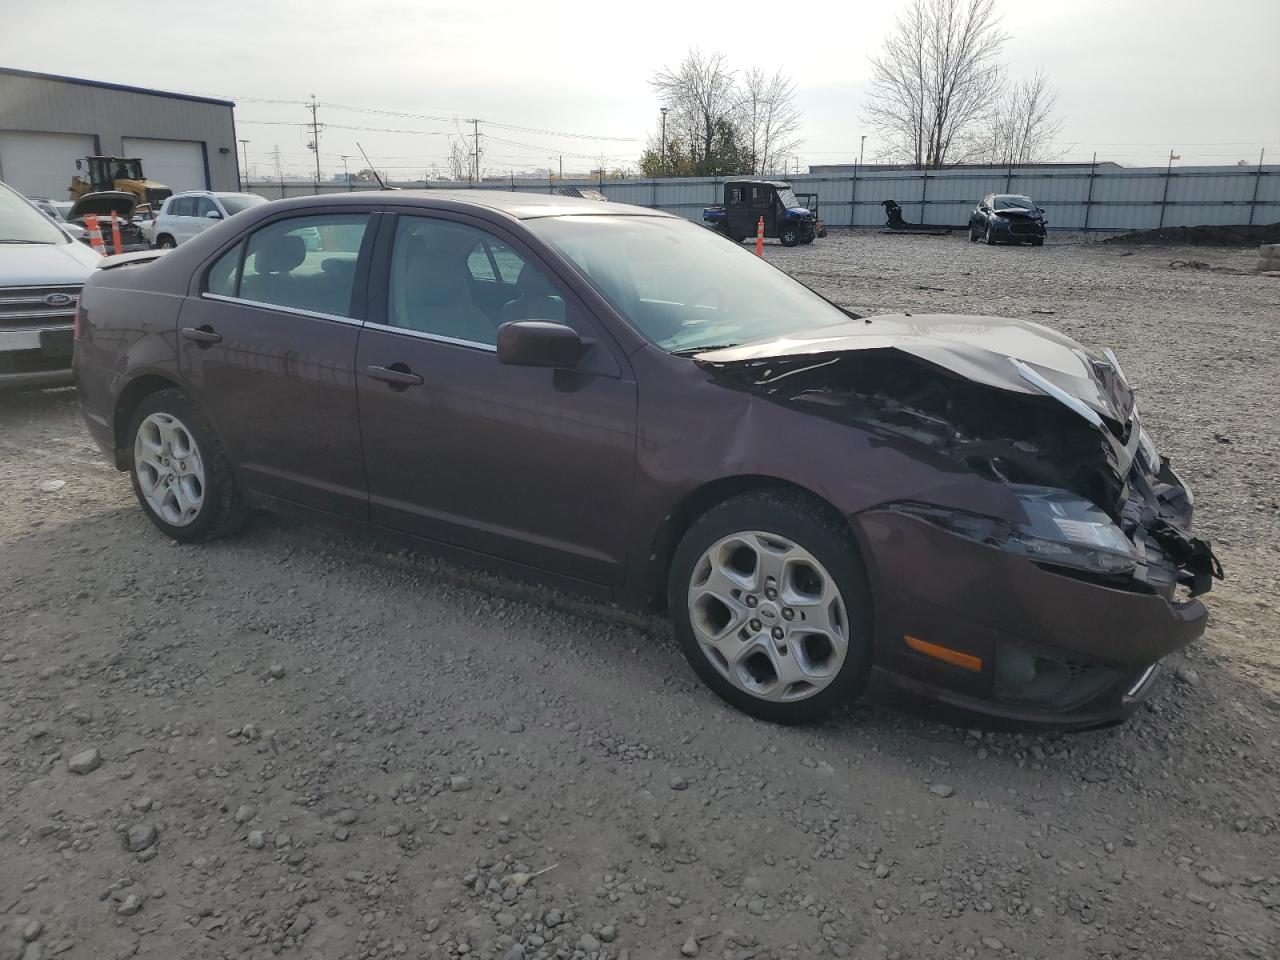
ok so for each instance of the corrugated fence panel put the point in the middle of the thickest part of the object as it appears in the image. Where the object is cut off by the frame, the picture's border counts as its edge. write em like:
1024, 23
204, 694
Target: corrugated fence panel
1075, 198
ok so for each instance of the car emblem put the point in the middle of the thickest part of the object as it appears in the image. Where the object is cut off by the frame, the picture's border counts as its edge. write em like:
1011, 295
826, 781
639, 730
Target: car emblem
57, 299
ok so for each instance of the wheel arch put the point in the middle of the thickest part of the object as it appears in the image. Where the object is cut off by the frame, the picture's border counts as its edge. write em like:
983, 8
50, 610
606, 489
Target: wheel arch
135, 391
703, 498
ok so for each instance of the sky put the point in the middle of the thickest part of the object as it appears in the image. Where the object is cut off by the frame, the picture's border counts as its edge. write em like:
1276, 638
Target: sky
1136, 79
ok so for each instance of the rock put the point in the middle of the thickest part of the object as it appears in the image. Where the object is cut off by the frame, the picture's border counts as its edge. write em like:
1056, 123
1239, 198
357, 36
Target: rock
32, 930
256, 840
588, 942
515, 953
679, 783
655, 840
459, 784
341, 834
52, 486
276, 670
553, 918
301, 924
608, 933
143, 804
882, 871
755, 906
942, 789
991, 943
346, 817
140, 837
86, 761
244, 813
1187, 675
34, 951
1213, 878
690, 948
129, 906
513, 726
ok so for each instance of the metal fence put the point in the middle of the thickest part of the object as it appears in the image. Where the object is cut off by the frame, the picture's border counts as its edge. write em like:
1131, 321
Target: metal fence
1076, 197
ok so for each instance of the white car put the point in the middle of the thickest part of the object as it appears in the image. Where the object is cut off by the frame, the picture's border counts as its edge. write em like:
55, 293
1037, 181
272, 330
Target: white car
186, 214
42, 269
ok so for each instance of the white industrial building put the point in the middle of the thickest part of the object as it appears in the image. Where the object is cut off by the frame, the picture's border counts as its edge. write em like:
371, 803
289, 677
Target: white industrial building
49, 122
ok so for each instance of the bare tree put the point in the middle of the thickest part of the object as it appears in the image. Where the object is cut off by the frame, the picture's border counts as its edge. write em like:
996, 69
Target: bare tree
701, 97
463, 161
768, 119
1022, 128
936, 77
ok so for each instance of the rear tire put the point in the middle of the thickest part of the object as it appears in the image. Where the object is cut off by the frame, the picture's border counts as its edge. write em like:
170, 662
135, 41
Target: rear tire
181, 475
802, 645
1038, 242
165, 243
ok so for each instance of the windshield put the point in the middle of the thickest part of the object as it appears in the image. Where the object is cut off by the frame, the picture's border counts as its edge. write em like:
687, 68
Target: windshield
683, 286
1007, 202
789, 199
240, 202
22, 223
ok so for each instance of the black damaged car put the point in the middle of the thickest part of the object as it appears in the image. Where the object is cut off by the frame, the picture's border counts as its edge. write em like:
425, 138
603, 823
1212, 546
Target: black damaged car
1007, 218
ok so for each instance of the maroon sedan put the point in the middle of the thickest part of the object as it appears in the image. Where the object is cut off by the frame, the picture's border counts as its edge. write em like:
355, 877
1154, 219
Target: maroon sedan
621, 403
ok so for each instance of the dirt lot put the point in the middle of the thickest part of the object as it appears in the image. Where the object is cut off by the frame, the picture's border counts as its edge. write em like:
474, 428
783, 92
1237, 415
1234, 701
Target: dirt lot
310, 746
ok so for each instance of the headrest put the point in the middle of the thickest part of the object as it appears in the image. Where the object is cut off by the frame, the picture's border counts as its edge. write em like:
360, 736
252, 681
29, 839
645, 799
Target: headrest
532, 282
280, 254
433, 279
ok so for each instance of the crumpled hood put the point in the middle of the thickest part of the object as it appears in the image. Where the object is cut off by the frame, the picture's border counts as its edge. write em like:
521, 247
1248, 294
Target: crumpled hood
976, 348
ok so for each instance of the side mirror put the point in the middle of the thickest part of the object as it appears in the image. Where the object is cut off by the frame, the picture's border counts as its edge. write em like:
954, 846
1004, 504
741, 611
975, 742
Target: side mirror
539, 343
213, 215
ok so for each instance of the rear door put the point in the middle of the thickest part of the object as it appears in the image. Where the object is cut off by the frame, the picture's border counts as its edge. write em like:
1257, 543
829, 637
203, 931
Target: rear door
531, 465
268, 345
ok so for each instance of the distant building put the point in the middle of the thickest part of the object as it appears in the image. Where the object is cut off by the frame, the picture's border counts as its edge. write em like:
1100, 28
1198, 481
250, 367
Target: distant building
49, 122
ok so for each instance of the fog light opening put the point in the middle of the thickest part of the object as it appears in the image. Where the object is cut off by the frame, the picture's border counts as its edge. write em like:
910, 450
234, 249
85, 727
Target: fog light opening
1023, 675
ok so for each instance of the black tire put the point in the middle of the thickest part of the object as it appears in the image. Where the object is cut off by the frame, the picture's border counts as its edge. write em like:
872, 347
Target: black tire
790, 236
223, 510
807, 238
991, 240
165, 243
1038, 242
824, 535
973, 234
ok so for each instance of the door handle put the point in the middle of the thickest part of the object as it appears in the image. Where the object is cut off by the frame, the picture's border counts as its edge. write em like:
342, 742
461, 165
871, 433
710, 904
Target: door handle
204, 336
397, 376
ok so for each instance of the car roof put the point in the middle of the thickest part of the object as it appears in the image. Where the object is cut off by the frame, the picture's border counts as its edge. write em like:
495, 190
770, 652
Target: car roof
521, 206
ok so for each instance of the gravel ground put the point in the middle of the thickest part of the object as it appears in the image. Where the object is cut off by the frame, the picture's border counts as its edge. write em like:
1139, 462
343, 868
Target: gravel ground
297, 743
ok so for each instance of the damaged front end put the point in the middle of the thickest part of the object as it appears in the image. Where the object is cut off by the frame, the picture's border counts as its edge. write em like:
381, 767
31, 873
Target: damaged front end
1097, 501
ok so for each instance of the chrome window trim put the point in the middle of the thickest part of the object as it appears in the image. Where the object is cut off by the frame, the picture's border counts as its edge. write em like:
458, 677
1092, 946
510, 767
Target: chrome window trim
313, 314
437, 338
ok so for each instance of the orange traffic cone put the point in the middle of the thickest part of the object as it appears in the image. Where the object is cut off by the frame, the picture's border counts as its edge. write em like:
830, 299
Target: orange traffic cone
760, 238
95, 234
115, 232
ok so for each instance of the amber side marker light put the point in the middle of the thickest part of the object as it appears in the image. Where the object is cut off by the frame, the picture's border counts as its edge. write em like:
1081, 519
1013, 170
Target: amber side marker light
965, 661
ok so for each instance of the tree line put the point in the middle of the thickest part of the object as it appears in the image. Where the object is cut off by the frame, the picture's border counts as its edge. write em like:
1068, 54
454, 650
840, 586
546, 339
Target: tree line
939, 96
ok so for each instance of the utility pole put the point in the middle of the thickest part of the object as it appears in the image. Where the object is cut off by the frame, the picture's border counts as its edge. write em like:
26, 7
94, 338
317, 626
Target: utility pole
861, 147
662, 168
315, 138
345, 175
244, 150
475, 126
562, 166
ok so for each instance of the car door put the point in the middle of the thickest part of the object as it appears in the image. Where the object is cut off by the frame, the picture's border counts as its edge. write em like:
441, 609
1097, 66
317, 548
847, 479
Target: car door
200, 219
530, 465
268, 345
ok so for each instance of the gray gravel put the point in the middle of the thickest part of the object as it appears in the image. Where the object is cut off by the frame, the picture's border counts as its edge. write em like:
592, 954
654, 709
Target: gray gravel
516, 774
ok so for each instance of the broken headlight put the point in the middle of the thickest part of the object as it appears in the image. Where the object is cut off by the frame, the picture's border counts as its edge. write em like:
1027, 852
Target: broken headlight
1061, 529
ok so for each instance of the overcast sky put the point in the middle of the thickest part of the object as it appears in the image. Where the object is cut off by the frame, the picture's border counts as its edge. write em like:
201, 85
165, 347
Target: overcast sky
1136, 78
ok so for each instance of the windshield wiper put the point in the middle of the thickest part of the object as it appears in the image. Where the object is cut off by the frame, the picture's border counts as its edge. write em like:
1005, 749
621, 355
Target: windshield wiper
41, 243
690, 351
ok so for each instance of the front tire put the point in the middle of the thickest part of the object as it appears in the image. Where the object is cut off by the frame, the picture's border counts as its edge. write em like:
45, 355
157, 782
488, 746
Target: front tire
165, 243
180, 473
973, 234
991, 240
790, 236
770, 603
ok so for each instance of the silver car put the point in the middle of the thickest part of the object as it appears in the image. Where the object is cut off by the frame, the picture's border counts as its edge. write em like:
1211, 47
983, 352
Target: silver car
186, 214
42, 269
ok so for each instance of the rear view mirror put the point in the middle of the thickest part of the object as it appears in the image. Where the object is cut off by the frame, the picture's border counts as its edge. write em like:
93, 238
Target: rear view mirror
213, 215
539, 343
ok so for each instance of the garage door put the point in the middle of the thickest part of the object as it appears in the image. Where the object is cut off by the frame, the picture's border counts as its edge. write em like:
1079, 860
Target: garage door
42, 164
178, 164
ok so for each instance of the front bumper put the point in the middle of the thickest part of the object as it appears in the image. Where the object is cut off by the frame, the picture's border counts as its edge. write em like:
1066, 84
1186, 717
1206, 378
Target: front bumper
37, 357
981, 601
1016, 230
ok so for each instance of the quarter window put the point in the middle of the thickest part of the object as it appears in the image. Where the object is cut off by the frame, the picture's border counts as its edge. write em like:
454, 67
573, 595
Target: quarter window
451, 280
305, 263
224, 275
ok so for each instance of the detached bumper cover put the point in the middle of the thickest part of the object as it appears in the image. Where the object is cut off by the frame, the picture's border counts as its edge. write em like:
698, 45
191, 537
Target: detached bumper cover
978, 599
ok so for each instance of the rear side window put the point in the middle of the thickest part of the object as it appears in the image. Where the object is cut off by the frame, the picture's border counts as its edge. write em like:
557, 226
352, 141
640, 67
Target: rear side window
204, 206
304, 263
182, 207
224, 275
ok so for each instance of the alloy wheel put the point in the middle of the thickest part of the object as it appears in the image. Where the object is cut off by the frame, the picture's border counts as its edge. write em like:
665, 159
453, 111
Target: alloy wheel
169, 468
768, 616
